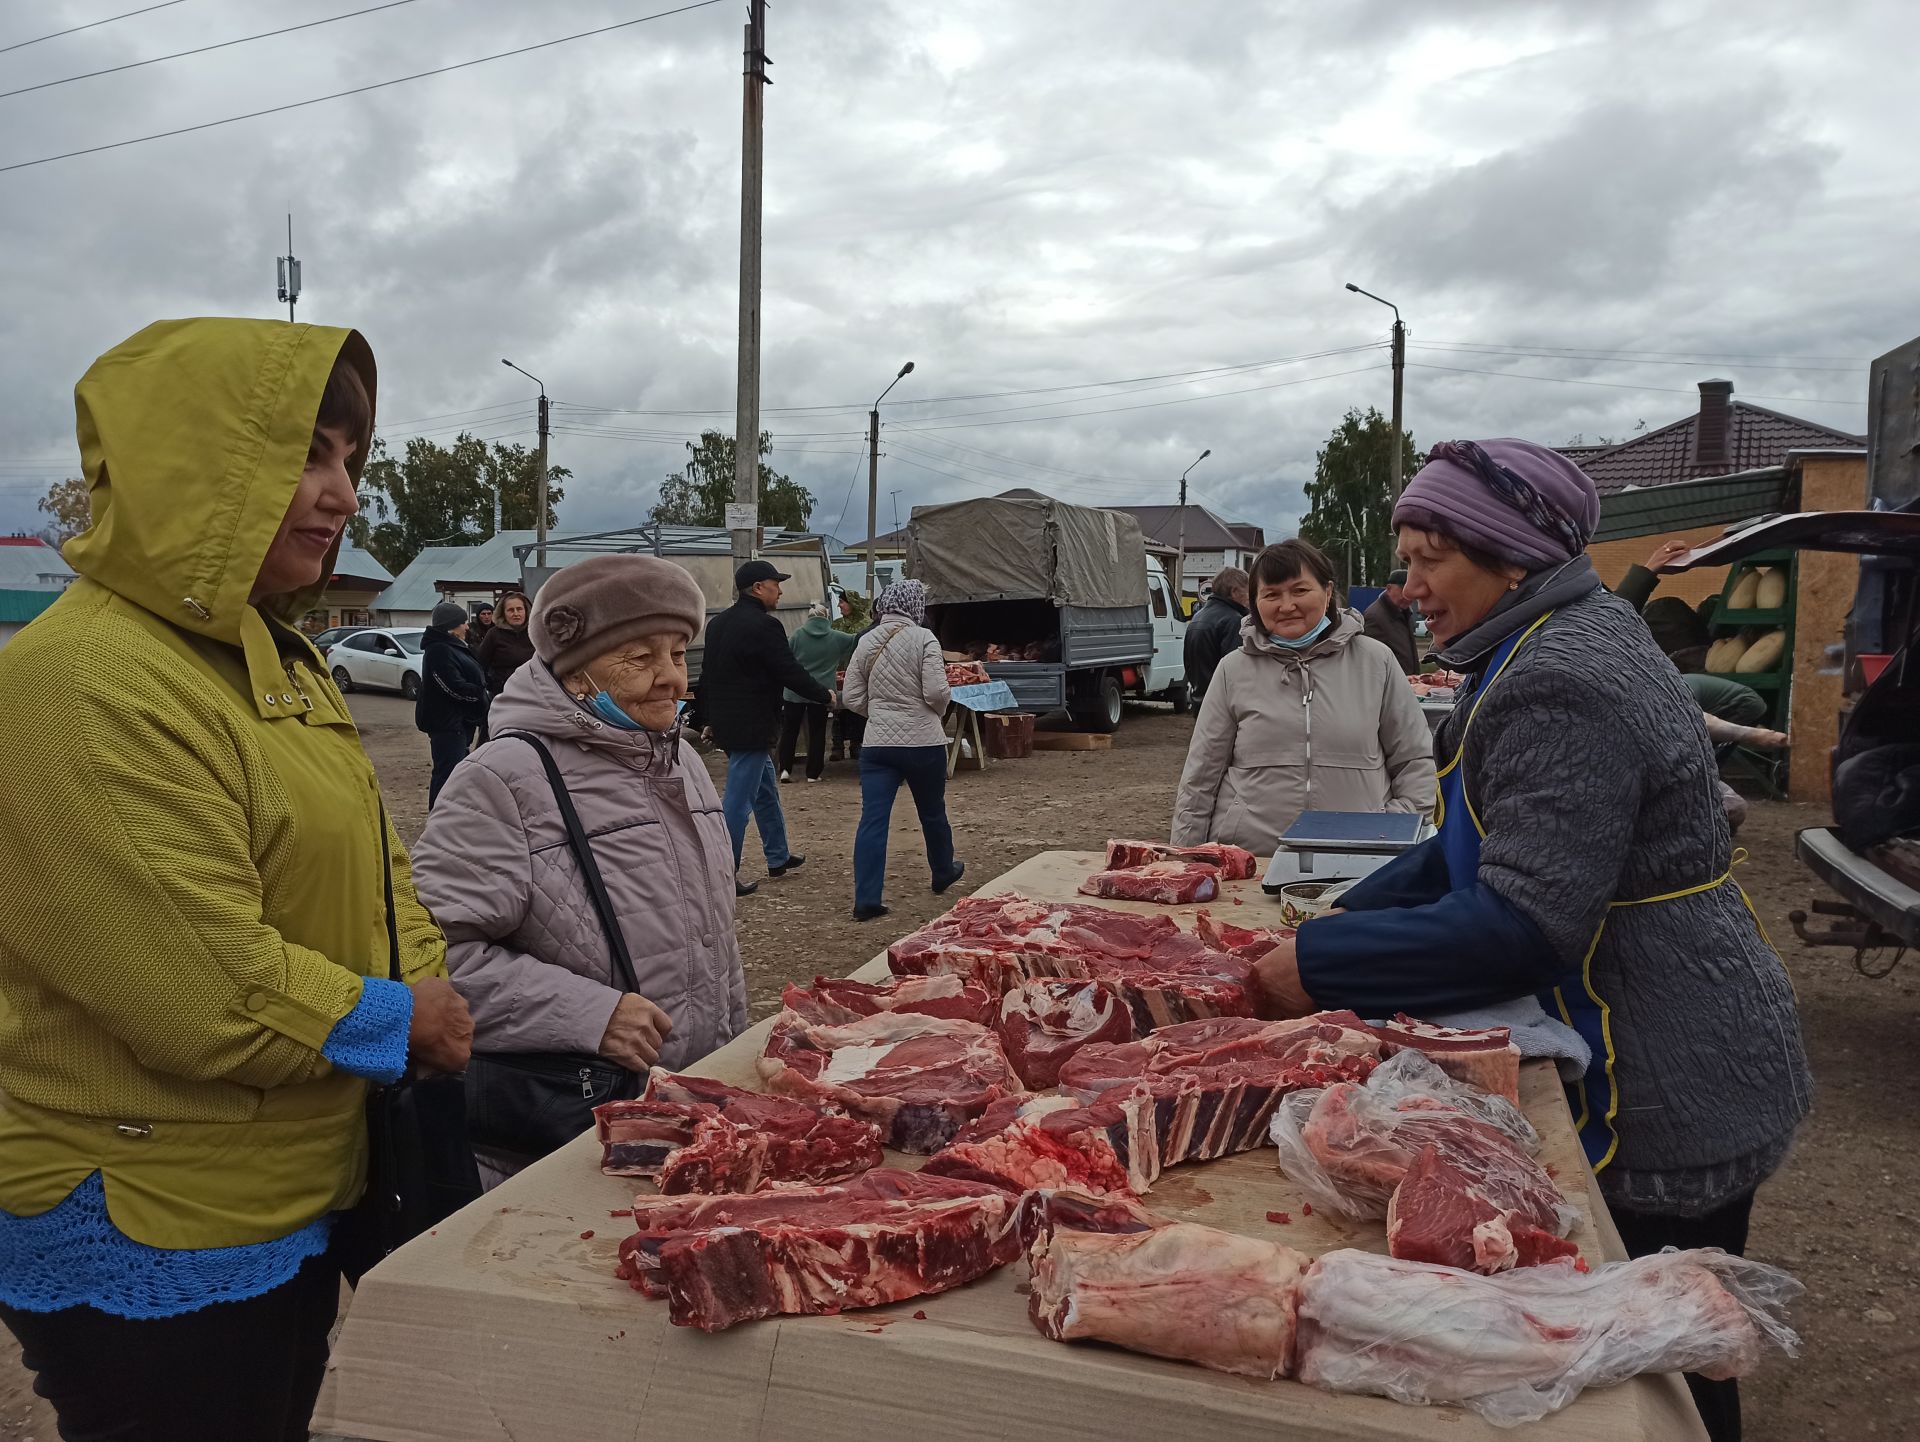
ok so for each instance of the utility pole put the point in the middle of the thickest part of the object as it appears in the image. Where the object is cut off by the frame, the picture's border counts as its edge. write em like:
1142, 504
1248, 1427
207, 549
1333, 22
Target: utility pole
289, 269
873, 475
895, 495
540, 476
1180, 550
746, 427
1399, 371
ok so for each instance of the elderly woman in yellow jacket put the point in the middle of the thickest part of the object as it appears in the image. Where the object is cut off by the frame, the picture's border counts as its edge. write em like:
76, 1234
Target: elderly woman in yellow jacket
194, 952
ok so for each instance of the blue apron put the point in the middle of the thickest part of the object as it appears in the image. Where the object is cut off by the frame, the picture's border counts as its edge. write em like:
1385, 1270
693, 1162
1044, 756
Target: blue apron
1596, 1100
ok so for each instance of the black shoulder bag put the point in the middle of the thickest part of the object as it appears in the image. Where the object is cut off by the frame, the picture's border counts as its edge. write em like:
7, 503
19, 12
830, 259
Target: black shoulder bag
531, 1103
420, 1168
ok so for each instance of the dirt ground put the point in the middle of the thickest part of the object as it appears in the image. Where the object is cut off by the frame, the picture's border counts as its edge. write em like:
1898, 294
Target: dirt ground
1841, 1215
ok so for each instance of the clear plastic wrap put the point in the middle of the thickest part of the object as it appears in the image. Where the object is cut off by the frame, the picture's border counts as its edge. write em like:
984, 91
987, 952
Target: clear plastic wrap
1518, 1346
1380, 1126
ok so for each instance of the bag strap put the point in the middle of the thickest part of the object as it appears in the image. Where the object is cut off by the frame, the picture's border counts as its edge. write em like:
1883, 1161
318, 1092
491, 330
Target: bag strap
386, 875
583, 853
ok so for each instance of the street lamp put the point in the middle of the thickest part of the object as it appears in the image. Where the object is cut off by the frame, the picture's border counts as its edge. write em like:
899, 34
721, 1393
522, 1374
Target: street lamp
1399, 369
540, 479
873, 473
1180, 551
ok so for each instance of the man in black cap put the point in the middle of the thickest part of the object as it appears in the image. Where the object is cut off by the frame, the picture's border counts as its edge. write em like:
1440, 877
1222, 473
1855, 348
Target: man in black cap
1389, 620
746, 663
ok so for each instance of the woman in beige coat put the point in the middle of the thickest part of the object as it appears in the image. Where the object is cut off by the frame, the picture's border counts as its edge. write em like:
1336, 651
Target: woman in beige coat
525, 945
1308, 714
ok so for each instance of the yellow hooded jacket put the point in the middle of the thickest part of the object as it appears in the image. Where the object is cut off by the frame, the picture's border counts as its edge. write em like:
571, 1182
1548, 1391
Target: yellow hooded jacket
189, 828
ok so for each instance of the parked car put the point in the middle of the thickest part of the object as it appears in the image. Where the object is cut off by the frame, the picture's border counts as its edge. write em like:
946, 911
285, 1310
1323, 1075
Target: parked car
377, 659
332, 637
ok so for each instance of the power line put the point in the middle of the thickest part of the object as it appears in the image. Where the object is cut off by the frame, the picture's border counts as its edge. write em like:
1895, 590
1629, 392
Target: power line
90, 25
358, 89
1621, 354
203, 49
1556, 353
848, 497
1622, 385
448, 415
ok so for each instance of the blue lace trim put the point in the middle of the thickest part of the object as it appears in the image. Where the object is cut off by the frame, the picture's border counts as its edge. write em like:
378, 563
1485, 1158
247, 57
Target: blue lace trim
74, 1256
371, 1040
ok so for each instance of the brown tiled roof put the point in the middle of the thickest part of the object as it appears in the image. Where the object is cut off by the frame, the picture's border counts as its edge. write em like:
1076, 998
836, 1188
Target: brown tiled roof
1756, 438
1205, 530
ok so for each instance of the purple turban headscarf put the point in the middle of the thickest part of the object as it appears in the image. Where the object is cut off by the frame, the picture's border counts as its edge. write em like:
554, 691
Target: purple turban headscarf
1524, 503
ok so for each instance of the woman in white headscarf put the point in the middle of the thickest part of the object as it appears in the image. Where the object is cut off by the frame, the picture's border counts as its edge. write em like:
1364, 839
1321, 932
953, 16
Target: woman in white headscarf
897, 679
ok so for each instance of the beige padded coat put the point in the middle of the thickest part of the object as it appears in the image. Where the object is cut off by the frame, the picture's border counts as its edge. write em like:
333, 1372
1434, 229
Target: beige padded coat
897, 679
524, 945
1333, 727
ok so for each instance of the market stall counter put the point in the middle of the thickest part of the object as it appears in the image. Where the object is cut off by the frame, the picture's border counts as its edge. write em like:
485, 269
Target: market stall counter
507, 1324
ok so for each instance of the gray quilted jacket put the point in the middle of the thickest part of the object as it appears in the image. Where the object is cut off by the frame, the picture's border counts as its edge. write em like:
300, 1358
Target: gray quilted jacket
897, 679
524, 945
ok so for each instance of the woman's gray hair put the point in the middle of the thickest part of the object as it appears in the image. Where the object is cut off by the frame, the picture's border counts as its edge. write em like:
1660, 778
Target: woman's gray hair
816, 609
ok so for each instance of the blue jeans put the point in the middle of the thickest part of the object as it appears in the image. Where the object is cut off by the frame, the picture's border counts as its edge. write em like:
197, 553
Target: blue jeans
882, 769
753, 789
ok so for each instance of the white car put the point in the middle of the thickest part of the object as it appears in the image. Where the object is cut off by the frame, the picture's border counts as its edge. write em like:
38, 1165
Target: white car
382, 660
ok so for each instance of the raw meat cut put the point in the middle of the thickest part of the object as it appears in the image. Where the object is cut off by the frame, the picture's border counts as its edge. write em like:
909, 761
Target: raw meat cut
1234, 863
1481, 1212
1485, 1057
1182, 1290
1168, 883
921, 1078
1448, 1165
1518, 1346
1043, 1023
881, 1238
831, 1001
699, 1135
1107, 1148
1165, 974
1249, 943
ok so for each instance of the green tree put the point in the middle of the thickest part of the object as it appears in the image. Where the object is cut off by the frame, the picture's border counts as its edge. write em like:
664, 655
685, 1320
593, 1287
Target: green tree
697, 494
436, 495
66, 501
1350, 501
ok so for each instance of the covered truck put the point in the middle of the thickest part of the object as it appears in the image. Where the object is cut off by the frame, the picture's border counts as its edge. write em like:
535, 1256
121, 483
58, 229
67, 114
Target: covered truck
1061, 602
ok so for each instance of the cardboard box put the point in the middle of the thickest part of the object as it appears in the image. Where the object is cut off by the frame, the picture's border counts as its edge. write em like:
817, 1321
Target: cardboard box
508, 1325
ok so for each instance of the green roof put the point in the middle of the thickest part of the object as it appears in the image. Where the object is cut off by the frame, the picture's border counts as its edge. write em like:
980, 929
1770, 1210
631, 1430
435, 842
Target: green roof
19, 607
1684, 505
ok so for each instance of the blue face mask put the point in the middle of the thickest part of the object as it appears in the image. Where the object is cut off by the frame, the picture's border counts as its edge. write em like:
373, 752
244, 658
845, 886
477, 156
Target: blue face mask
1294, 643
609, 711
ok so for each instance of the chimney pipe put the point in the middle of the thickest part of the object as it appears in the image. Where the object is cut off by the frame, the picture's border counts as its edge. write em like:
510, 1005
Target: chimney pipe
1712, 432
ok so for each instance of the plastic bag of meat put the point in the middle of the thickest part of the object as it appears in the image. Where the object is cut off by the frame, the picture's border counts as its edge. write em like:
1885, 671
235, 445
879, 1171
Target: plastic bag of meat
1518, 1346
1449, 1166
1349, 1145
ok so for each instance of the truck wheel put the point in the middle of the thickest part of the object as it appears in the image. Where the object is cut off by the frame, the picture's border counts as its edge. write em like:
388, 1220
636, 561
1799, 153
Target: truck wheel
1099, 708
1181, 698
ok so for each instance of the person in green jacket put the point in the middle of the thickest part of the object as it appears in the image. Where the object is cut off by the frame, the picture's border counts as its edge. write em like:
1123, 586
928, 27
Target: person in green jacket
823, 651
1682, 633
194, 991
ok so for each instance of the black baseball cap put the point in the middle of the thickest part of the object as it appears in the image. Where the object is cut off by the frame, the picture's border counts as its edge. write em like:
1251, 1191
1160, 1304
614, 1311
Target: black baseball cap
754, 572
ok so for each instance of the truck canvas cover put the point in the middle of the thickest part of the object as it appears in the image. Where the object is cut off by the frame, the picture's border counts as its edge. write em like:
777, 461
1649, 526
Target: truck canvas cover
1011, 548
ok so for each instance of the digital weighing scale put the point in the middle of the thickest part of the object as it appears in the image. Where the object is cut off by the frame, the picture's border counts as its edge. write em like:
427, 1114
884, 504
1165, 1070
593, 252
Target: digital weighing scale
1342, 845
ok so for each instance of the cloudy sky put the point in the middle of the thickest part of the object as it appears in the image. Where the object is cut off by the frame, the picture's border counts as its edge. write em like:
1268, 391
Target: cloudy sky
1109, 236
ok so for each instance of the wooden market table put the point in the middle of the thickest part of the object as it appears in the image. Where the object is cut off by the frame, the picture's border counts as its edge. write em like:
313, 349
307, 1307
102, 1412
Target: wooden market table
506, 1323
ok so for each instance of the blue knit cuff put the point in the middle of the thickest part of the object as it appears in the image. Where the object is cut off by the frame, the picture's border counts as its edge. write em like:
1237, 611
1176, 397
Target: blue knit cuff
371, 1040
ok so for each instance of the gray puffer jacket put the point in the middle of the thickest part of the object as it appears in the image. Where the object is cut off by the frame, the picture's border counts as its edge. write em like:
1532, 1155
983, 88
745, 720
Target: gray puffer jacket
524, 944
1331, 727
897, 679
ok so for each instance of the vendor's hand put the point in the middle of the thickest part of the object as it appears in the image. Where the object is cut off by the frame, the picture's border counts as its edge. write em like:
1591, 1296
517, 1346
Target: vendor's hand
637, 1032
1667, 551
1278, 994
440, 1037
833, 699
1765, 740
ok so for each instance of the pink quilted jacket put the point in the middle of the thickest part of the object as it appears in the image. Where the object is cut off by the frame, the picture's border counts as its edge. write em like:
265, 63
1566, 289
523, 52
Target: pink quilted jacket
524, 945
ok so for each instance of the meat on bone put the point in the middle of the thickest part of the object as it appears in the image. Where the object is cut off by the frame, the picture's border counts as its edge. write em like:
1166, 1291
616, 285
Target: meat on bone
919, 1078
830, 1001
1042, 1024
1234, 863
1166, 883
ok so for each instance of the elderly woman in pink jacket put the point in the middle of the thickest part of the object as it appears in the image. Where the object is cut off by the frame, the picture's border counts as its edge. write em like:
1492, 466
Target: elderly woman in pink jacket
580, 866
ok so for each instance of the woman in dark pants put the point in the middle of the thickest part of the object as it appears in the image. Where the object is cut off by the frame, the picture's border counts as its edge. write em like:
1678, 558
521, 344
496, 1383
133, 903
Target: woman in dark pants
452, 704
1582, 857
897, 679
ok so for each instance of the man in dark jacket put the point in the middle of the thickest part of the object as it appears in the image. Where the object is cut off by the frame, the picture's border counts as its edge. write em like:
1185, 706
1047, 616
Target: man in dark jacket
1389, 620
746, 664
452, 701
1214, 631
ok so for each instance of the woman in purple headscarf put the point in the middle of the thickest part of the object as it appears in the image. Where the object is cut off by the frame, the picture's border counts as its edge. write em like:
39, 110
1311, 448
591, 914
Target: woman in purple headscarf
1583, 857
